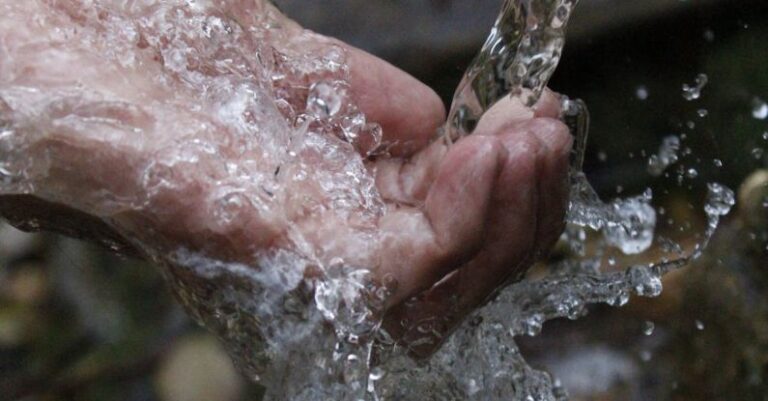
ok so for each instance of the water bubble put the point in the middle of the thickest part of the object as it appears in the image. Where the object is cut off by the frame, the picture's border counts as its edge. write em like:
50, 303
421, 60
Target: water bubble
648, 328
571, 307
325, 100
720, 200
619, 300
532, 326
759, 109
693, 92
352, 125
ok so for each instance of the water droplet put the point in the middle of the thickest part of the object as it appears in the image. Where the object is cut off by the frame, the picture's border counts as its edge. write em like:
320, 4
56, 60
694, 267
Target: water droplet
666, 156
641, 92
692, 173
325, 100
648, 328
758, 153
709, 35
720, 200
702, 113
621, 299
759, 109
717, 162
532, 326
699, 325
693, 92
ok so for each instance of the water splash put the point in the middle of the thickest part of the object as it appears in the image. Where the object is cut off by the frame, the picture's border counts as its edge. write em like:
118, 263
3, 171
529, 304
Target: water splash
304, 324
693, 92
667, 156
627, 224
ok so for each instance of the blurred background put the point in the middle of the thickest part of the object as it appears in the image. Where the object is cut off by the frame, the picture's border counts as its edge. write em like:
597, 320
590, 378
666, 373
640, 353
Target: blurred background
77, 323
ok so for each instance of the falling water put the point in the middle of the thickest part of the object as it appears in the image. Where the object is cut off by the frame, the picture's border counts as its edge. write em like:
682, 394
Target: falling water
517, 59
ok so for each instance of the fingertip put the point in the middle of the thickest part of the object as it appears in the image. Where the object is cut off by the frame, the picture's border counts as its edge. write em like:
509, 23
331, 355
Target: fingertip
552, 180
548, 105
506, 113
457, 204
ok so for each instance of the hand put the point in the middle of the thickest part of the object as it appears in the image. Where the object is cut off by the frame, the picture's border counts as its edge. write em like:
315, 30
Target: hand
188, 130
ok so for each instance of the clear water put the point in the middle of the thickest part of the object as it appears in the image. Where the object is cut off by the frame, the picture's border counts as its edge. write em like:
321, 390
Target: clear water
288, 142
518, 58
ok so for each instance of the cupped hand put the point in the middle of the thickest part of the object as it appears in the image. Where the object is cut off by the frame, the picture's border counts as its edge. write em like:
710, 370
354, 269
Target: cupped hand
186, 126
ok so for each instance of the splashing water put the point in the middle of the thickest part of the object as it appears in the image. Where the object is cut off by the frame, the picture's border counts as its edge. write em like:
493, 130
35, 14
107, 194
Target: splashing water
693, 92
666, 156
306, 325
759, 109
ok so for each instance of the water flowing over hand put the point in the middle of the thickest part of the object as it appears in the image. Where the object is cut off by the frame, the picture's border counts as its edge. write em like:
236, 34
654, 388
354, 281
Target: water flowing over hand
222, 131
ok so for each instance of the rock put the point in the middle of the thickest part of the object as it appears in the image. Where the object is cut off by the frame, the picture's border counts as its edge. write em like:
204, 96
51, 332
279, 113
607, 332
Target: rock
753, 199
198, 369
27, 285
17, 326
